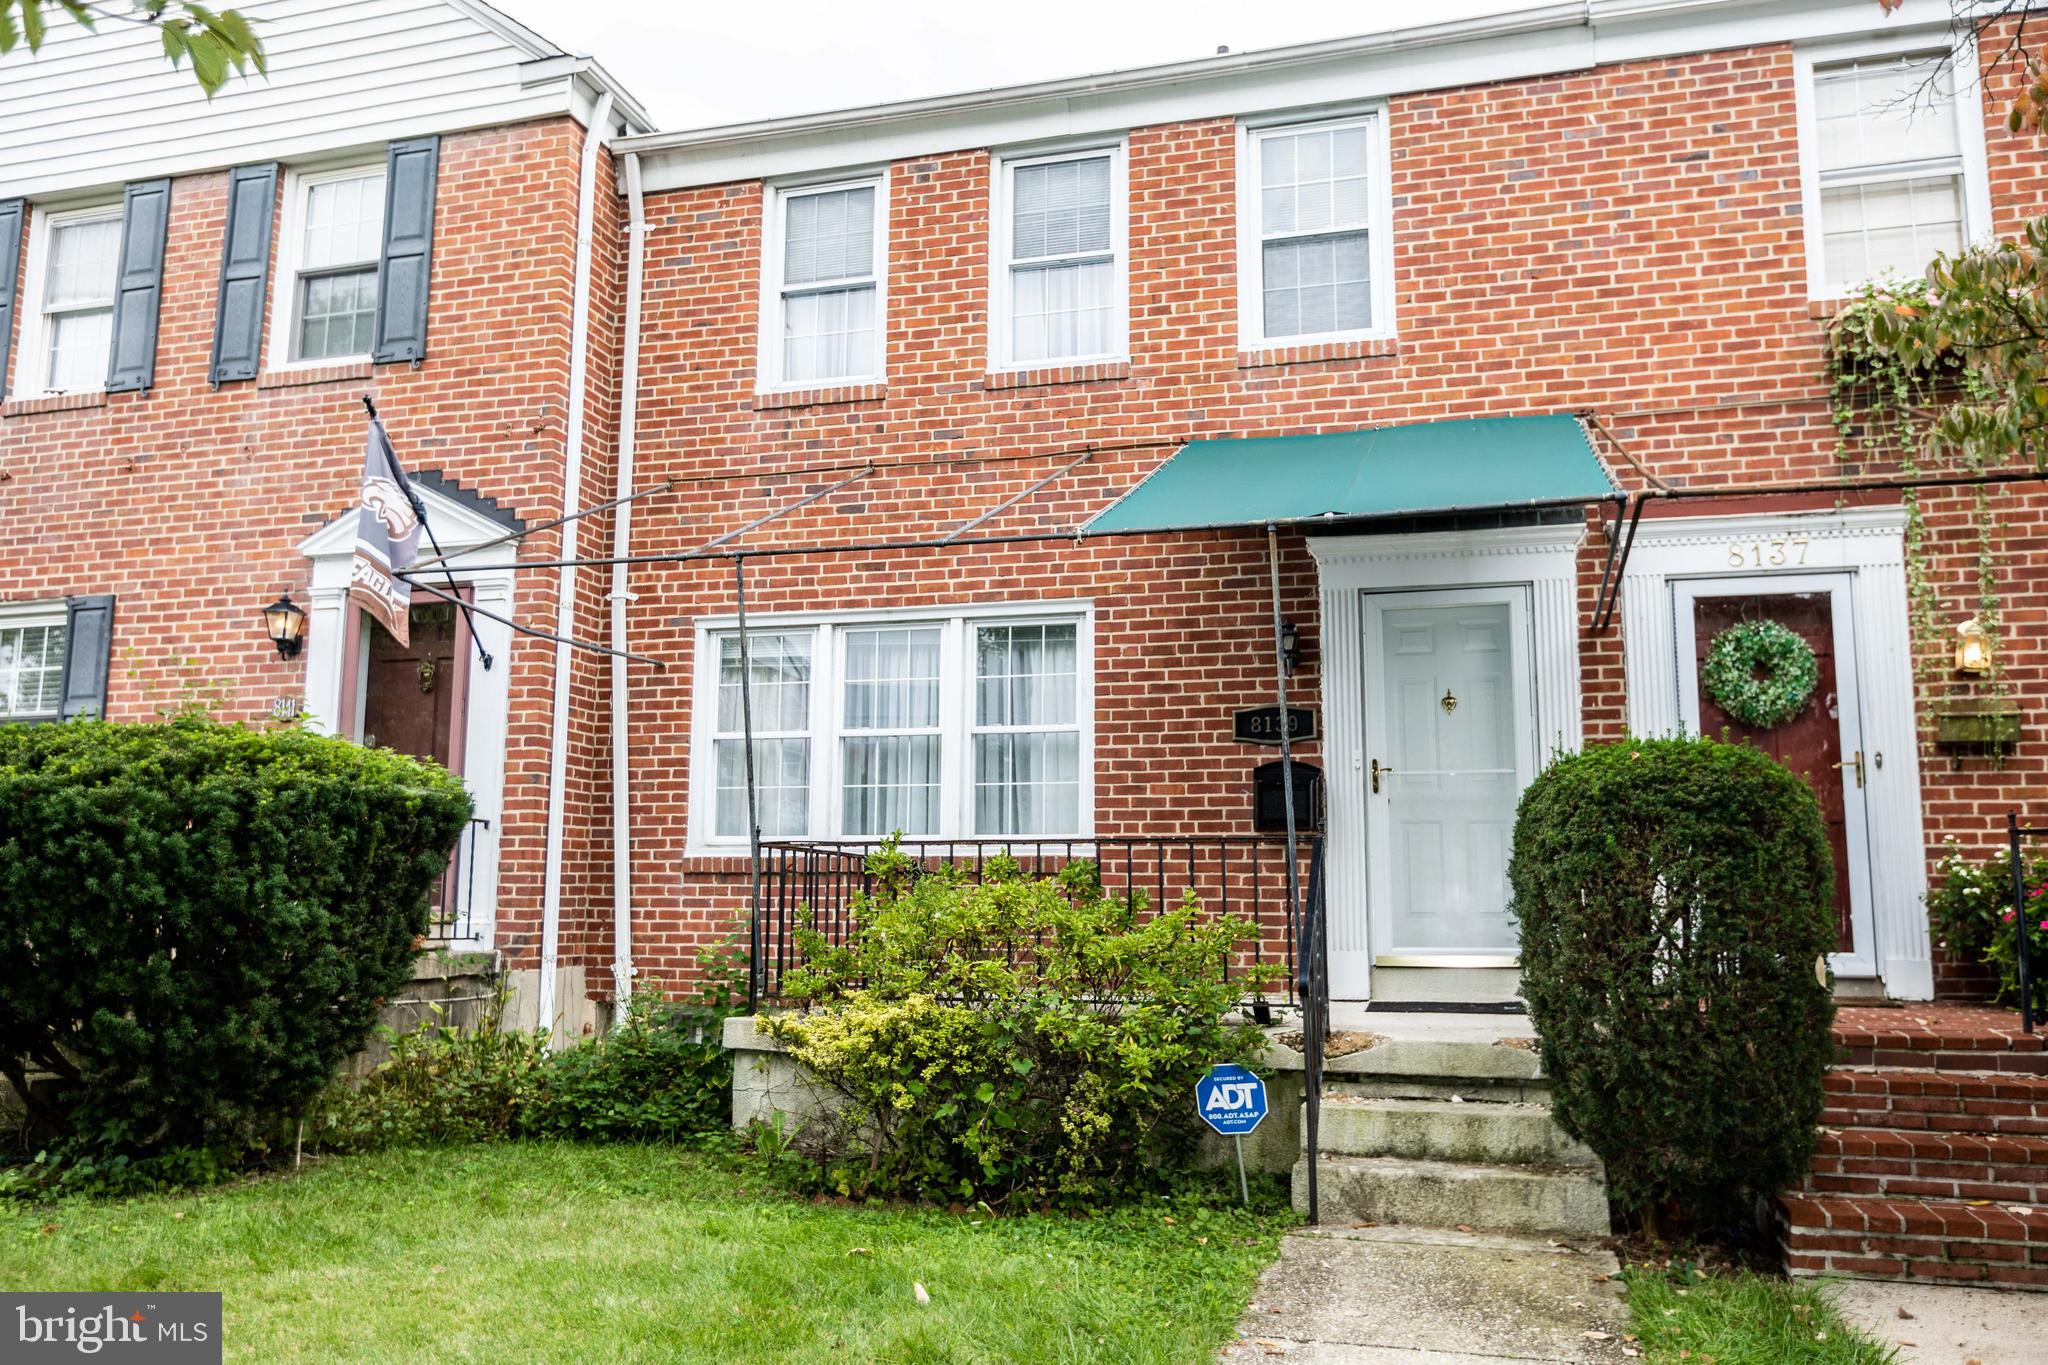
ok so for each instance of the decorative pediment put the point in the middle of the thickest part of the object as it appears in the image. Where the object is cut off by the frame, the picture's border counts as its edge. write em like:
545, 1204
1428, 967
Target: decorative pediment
459, 522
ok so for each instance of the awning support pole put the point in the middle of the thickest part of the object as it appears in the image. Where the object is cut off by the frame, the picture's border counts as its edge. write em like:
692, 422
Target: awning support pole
665, 486
1007, 503
1603, 616
757, 970
1613, 532
801, 503
1286, 741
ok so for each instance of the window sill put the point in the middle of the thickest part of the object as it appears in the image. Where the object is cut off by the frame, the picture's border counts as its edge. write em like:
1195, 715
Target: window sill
56, 402
829, 396
1315, 352
315, 374
1105, 371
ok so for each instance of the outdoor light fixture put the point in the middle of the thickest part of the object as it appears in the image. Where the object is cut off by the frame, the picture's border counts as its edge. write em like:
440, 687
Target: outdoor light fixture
1290, 647
1973, 648
286, 622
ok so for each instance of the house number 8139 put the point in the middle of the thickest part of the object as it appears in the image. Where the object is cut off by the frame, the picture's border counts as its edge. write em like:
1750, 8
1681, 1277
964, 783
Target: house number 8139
1767, 554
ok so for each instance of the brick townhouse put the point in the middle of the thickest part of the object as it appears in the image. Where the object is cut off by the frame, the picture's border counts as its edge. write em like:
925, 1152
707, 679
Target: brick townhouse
1027, 384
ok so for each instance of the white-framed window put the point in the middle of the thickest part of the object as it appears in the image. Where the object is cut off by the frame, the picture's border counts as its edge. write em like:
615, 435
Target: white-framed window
824, 278
1315, 246
67, 329
1058, 288
1891, 137
330, 242
972, 722
31, 661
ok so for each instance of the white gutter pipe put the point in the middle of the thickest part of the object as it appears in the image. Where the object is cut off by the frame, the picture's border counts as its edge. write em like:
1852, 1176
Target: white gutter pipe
565, 584
622, 537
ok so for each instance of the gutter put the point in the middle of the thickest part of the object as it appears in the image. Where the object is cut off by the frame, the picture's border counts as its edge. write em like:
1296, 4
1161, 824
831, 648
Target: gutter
622, 535
565, 584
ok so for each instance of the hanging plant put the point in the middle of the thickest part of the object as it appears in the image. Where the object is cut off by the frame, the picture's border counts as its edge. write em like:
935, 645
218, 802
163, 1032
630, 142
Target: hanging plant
1760, 672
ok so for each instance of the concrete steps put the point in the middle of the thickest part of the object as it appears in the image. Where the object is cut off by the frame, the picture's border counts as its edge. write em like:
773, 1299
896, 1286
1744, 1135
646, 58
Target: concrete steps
1448, 1194
1446, 1123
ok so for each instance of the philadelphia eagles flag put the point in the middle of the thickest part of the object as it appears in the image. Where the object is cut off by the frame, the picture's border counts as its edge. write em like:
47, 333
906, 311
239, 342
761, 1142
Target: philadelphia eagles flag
387, 538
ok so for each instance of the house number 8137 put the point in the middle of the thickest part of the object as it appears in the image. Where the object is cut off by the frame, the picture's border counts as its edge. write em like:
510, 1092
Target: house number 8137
1767, 554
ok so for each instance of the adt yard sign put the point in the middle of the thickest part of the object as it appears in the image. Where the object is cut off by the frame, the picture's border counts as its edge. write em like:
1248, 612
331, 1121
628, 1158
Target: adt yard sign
1231, 1100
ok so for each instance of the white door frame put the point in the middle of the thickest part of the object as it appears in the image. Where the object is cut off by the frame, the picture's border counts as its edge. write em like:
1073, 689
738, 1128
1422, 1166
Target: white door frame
1759, 552
460, 530
1861, 961
1387, 951
1545, 560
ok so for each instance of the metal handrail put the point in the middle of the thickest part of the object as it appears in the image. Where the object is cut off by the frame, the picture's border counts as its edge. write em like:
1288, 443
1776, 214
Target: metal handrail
2015, 833
1314, 991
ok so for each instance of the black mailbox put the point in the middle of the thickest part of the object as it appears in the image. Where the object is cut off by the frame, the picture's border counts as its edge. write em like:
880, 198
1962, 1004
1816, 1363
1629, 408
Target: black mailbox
1267, 784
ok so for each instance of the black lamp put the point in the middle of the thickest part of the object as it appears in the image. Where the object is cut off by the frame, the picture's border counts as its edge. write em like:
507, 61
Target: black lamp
286, 622
1290, 647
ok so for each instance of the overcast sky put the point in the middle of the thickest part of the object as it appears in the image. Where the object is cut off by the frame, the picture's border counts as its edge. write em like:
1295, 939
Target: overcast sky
694, 64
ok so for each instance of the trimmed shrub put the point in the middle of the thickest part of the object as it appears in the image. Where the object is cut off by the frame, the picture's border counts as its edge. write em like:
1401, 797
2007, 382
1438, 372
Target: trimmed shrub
1676, 907
1013, 1040
201, 920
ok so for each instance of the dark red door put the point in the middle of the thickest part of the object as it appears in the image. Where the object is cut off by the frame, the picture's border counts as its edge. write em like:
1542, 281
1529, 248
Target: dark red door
1810, 743
409, 690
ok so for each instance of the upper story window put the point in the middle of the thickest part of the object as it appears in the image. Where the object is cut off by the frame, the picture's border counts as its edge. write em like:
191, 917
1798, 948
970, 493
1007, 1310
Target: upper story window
1893, 153
1314, 251
935, 725
32, 661
333, 237
822, 308
1058, 293
74, 263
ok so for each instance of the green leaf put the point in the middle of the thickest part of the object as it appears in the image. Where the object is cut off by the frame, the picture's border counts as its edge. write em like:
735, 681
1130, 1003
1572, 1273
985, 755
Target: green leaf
9, 34
32, 23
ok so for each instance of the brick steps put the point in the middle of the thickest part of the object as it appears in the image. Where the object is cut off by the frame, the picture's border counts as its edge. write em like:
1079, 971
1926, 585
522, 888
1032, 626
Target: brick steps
1915, 1239
1980, 1102
1931, 1165
1934, 1165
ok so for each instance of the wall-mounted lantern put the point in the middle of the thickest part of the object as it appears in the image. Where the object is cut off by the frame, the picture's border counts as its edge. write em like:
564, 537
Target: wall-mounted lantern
1290, 647
286, 622
1973, 648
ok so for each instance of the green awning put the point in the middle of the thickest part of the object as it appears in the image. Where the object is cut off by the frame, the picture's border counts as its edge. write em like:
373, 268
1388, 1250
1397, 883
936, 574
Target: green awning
1475, 464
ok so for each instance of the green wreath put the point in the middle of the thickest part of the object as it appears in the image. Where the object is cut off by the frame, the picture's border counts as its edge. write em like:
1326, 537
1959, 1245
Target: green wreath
1760, 673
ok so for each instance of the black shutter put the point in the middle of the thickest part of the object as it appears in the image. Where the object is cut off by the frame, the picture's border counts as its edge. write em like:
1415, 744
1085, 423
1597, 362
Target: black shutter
139, 289
244, 274
88, 649
411, 170
12, 212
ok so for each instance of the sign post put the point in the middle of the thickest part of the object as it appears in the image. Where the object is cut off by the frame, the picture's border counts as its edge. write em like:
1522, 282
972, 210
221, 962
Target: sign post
1231, 1100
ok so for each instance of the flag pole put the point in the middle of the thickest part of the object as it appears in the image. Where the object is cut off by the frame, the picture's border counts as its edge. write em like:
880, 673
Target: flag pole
454, 594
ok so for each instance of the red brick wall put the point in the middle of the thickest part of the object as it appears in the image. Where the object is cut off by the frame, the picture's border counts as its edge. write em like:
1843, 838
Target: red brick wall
1626, 240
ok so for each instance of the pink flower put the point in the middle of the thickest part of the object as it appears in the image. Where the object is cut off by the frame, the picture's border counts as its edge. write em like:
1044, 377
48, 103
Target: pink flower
2007, 917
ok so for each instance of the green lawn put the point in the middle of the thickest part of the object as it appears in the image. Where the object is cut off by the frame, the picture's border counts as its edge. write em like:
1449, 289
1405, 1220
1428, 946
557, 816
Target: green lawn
1741, 1319
554, 1252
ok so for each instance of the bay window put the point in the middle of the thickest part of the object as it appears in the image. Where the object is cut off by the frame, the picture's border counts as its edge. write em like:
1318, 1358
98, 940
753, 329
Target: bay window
934, 725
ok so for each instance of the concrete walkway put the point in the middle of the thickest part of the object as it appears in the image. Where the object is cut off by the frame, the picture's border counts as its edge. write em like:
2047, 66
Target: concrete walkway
1419, 1296
1948, 1324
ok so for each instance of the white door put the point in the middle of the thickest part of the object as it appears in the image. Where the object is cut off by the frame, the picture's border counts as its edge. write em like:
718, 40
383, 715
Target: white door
1450, 734
1824, 743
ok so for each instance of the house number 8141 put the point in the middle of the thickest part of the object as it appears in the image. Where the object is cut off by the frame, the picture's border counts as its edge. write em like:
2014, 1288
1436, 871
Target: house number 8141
1767, 554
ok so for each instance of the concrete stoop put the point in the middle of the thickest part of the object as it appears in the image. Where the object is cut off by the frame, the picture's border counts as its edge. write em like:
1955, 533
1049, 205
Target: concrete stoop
1447, 1127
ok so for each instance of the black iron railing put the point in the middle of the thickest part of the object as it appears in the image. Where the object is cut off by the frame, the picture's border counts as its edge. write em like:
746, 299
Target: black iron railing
816, 883
454, 917
2023, 916
1312, 957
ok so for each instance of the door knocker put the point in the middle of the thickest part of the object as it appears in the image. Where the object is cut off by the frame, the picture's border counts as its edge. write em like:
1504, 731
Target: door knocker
1449, 703
427, 673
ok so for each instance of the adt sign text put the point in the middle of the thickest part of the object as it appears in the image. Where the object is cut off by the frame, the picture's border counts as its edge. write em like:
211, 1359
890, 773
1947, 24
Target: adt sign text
1231, 1100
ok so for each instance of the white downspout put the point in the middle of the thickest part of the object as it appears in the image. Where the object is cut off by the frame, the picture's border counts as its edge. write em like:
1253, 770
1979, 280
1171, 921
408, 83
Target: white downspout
565, 584
622, 536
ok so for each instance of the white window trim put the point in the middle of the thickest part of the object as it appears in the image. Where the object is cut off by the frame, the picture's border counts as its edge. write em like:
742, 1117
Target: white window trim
956, 720
1003, 166
1969, 110
32, 366
1251, 311
283, 320
27, 615
774, 206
